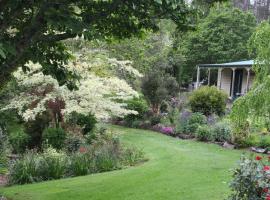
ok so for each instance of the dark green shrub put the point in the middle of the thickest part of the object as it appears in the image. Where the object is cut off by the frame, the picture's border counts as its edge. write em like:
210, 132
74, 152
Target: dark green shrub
139, 105
222, 132
54, 137
35, 129
19, 141
204, 133
87, 122
156, 119
73, 143
208, 100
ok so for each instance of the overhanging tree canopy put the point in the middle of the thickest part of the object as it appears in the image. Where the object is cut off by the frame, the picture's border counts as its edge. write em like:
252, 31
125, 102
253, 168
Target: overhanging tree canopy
32, 30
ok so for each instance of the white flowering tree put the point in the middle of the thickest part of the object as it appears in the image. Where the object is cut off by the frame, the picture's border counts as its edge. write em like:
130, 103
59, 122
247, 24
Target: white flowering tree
101, 95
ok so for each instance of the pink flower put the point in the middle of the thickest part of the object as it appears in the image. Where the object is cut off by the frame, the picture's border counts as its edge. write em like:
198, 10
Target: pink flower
266, 168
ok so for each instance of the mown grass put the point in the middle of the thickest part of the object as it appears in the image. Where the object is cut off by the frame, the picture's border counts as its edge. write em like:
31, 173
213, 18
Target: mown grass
176, 170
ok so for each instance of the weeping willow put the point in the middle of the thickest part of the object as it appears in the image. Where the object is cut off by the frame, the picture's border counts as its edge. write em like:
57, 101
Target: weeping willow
254, 107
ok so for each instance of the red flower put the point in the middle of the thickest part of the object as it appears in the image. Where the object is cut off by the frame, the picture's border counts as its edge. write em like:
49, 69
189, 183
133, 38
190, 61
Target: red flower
266, 168
265, 190
82, 150
267, 197
258, 158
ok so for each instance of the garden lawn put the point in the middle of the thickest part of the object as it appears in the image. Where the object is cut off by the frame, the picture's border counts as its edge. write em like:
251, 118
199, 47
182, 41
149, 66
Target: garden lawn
176, 170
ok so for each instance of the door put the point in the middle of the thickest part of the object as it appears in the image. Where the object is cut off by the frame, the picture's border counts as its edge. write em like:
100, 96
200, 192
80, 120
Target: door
237, 87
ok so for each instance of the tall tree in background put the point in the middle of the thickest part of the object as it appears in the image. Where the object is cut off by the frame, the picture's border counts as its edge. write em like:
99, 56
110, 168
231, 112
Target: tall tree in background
222, 36
33, 30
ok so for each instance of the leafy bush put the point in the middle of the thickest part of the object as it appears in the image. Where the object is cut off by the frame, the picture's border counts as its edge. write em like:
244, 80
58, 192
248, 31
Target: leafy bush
35, 129
73, 143
251, 179
204, 133
136, 124
34, 167
19, 141
87, 122
222, 132
80, 164
24, 170
54, 137
156, 119
264, 141
105, 154
208, 100
251, 140
132, 156
139, 105
51, 164
191, 124
107, 151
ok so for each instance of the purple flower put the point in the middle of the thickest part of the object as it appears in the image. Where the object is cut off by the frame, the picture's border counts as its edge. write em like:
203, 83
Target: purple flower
167, 130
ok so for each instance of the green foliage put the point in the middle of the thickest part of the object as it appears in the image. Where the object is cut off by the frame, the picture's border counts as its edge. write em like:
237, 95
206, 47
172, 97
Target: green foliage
54, 137
73, 143
253, 108
87, 122
139, 105
33, 167
204, 133
92, 19
220, 37
155, 119
208, 100
3, 152
24, 170
35, 128
80, 164
132, 156
250, 179
222, 132
190, 125
19, 141
51, 164
264, 142
157, 86
106, 153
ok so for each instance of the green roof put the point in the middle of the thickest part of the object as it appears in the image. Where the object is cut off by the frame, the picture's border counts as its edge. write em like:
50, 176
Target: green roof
245, 63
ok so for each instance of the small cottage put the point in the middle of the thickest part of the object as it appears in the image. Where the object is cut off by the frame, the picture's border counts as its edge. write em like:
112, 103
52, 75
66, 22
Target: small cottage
235, 78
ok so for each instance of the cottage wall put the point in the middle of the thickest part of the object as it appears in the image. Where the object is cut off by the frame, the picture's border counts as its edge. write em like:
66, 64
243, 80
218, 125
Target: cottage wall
244, 81
226, 80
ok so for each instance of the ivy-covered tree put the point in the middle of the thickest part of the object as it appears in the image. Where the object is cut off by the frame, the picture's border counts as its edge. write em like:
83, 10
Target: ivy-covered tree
33, 30
220, 37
